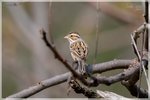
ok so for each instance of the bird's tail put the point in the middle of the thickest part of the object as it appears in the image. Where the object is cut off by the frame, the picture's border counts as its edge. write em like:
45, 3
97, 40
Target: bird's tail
82, 66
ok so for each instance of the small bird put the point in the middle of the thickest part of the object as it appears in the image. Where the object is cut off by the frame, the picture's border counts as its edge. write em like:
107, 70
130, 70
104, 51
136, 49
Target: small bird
78, 49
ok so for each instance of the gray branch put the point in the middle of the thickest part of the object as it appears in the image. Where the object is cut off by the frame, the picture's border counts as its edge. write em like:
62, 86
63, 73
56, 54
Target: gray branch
97, 68
40, 86
119, 77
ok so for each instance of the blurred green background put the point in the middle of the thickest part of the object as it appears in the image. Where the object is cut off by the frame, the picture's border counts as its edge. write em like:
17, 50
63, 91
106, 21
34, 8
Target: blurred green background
26, 60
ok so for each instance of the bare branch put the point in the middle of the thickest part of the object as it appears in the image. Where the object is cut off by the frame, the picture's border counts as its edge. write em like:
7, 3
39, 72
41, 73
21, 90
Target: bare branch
50, 22
135, 90
57, 55
97, 68
97, 31
146, 15
121, 76
40, 86
62, 60
102, 67
111, 65
135, 35
85, 91
140, 59
128, 75
146, 35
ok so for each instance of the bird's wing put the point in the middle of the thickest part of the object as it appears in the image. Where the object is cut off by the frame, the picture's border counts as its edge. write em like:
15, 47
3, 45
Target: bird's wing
79, 48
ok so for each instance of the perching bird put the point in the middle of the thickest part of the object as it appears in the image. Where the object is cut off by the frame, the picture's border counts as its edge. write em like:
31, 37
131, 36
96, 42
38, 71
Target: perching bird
78, 49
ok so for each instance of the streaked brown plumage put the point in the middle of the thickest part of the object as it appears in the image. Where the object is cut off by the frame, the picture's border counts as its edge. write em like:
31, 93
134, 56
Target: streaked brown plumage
78, 49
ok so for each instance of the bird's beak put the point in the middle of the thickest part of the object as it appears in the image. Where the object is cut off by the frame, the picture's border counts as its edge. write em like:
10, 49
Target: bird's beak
66, 37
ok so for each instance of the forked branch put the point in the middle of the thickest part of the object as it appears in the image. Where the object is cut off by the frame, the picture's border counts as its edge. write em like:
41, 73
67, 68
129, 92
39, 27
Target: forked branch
96, 68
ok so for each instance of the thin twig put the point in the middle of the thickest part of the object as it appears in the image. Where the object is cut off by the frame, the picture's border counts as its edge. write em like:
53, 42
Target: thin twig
139, 74
62, 60
50, 22
136, 35
139, 57
57, 55
97, 32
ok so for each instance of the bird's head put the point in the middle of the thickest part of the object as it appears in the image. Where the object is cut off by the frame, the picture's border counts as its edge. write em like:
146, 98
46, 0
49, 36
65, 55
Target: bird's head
73, 36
